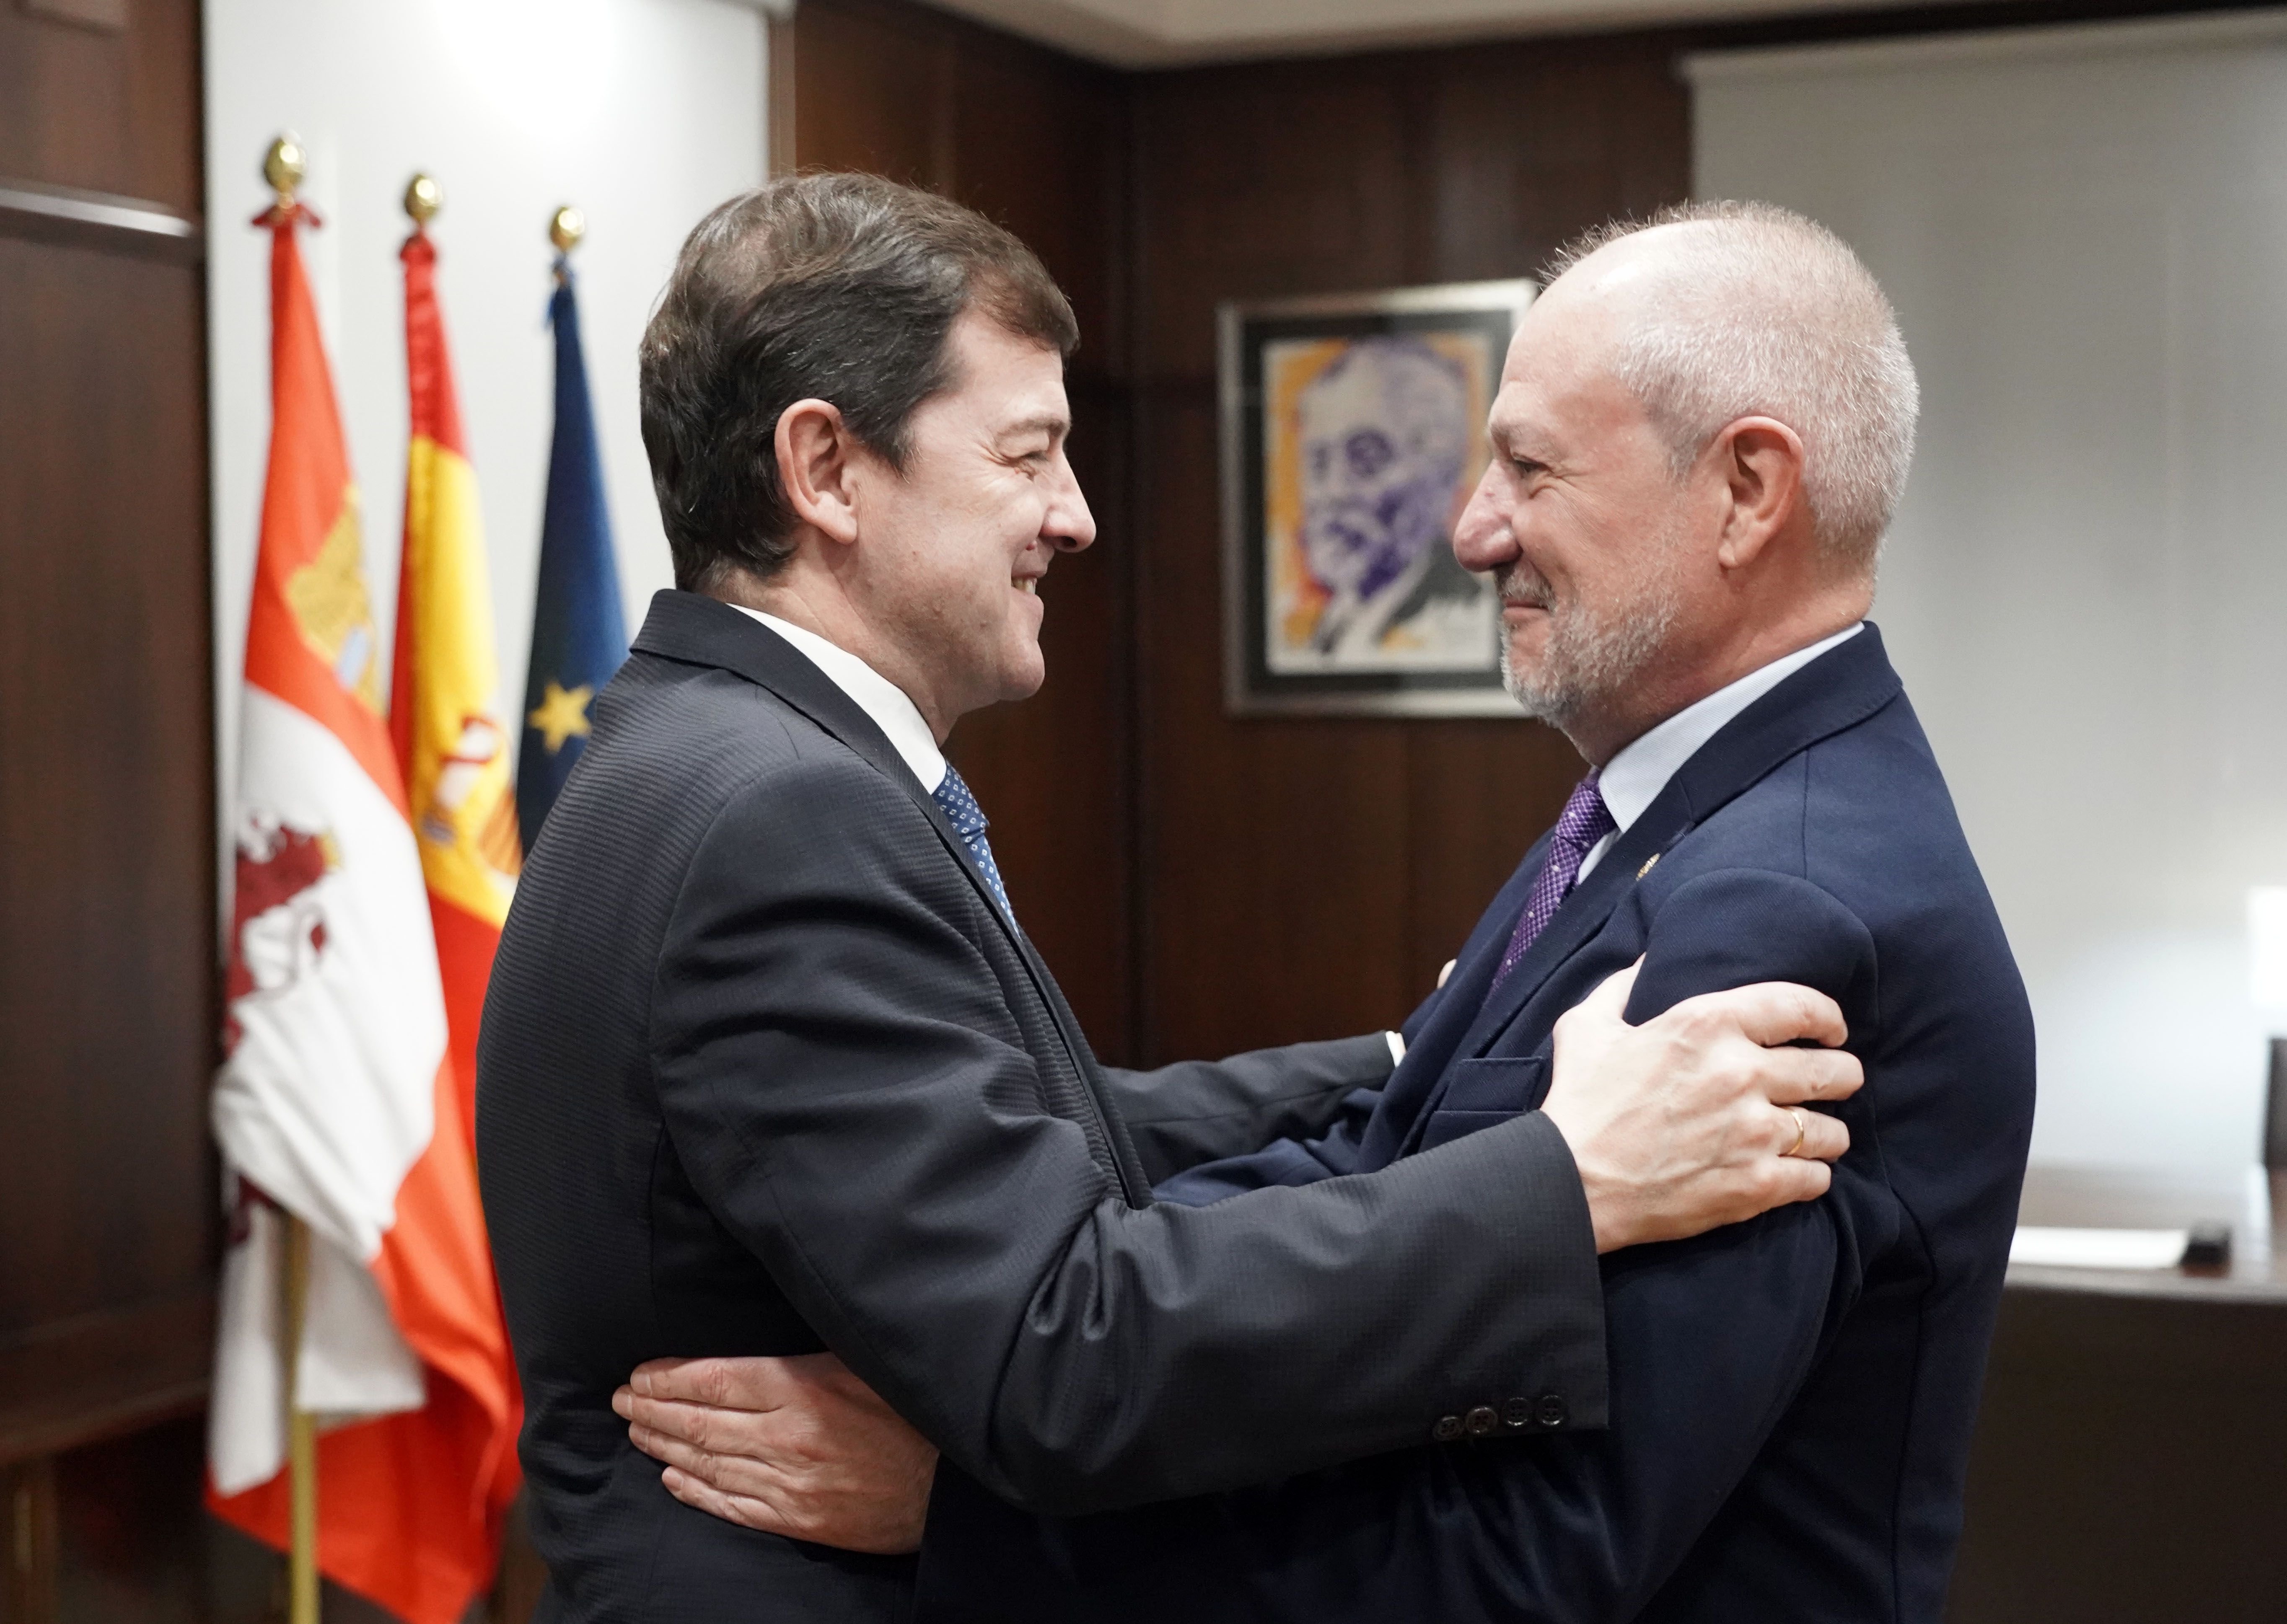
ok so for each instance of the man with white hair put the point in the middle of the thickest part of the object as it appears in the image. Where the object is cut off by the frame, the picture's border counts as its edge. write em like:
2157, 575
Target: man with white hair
1702, 430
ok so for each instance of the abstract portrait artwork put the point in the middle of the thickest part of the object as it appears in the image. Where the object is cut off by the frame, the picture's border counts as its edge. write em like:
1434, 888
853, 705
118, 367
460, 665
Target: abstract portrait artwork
1353, 434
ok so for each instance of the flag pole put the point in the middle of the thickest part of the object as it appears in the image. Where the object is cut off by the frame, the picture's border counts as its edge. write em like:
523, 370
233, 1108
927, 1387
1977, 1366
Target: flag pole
283, 167
301, 1437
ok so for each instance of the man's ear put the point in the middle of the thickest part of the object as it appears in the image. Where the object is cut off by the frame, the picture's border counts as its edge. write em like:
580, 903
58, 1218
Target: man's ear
1761, 462
815, 452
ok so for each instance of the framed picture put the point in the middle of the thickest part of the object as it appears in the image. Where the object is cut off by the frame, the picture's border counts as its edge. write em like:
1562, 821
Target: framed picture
1353, 432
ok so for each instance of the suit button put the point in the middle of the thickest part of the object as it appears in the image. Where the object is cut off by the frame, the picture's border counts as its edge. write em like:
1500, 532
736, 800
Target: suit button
1552, 1411
1448, 1429
1518, 1413
1482, 1421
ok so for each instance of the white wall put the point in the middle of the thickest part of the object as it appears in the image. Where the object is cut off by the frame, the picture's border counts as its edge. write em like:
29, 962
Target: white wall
644, 112
2085, 233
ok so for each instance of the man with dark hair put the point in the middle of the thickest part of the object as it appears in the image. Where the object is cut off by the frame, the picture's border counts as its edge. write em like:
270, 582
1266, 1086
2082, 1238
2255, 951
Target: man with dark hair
767, 1067
841, 285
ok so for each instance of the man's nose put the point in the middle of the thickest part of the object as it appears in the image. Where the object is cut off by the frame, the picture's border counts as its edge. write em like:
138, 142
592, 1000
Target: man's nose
1482, 538
1068, 527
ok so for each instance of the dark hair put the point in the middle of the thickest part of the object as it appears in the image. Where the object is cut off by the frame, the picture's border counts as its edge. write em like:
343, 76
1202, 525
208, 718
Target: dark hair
838, 288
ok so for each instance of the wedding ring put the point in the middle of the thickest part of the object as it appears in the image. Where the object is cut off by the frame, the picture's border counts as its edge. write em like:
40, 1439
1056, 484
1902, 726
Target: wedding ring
1801, 1129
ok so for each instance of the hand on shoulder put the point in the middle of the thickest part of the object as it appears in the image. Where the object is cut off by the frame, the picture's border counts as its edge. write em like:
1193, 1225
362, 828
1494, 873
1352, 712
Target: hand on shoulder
1698, 1118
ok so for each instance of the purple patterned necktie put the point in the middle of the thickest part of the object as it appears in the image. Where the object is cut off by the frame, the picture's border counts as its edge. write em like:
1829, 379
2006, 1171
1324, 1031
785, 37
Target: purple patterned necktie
1586, 820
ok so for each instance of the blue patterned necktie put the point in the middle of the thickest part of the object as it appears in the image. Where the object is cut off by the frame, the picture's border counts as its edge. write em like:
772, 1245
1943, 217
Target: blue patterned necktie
969, 822
1585, 821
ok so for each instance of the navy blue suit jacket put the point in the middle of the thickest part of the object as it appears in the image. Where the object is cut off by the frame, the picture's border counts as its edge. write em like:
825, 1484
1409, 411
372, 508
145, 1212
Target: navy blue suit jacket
1792, 1398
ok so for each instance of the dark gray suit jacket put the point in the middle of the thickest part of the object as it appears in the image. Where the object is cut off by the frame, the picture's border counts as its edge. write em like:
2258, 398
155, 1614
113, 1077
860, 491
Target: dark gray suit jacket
763, 1070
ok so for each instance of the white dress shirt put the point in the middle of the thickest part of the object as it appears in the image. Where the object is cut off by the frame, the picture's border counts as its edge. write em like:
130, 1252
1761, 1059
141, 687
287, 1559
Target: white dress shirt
1633, 779
873, 693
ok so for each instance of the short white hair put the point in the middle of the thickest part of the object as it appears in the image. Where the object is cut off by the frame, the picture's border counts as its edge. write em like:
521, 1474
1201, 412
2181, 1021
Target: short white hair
1762, 312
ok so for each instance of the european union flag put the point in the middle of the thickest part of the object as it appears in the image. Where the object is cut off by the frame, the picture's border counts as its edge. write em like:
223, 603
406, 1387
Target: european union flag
578, 634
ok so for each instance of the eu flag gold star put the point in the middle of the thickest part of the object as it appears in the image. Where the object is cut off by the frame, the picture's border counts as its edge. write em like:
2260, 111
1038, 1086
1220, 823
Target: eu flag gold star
563, 714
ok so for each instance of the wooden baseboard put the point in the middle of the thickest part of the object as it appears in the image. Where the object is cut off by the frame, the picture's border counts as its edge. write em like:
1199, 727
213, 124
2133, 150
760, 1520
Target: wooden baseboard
104, 1375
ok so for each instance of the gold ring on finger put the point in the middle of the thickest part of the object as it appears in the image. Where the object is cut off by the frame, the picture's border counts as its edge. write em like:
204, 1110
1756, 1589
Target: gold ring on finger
1801, 1129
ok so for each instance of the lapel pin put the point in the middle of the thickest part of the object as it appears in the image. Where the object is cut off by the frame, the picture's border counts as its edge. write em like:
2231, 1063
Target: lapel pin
1647, 867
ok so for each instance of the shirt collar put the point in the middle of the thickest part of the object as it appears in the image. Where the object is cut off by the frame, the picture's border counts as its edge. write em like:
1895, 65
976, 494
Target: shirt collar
896, 715
1633, 779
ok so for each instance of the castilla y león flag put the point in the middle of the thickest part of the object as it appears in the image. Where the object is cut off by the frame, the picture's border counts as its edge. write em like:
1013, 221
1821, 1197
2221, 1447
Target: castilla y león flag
336, 1101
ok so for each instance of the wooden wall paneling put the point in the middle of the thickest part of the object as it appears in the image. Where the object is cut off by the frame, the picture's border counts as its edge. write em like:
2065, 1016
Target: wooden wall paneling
780, 43
132, 1540
873, 83
1271, 851
29, 1595
115, 112
107, 1209
110, 15
1259, 181
107, 854
1038, 143
1533, 143
117, 1532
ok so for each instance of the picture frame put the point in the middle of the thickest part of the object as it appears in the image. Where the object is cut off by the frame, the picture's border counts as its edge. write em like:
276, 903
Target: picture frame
1353, 430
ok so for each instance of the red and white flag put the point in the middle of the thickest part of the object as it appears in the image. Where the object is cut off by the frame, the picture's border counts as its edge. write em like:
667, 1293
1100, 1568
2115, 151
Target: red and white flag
336, 1102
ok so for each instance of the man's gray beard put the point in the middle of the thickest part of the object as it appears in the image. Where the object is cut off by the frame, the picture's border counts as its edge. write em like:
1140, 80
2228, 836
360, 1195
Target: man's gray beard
1586, 662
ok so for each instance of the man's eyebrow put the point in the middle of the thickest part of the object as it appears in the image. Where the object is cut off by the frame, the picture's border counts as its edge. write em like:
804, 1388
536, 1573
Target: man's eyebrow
1051, 424
1520, 440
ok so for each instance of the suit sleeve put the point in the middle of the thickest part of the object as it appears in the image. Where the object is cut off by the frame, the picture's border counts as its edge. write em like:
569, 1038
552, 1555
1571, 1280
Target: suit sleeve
1195, 1111
843, 1081
1321, 1142
1709, 1341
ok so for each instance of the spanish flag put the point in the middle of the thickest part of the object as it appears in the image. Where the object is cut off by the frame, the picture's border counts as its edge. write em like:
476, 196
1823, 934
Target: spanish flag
445, 680
452, 748
337, 1102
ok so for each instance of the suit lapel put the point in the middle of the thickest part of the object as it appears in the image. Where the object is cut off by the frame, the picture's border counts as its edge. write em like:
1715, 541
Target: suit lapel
697, 630
1580, 915
1430, 1052
700, 631
1837, 690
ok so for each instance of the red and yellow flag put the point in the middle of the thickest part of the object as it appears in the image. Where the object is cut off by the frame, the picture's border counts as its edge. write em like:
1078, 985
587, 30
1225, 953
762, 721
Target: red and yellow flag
449, 742
337, 1102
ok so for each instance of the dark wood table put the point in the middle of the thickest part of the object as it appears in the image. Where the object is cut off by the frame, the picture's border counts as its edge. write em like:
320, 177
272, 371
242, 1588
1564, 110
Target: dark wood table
2142, 1198
2131, 1461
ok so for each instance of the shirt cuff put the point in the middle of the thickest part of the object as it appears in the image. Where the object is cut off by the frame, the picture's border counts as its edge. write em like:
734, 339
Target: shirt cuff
1396, 1048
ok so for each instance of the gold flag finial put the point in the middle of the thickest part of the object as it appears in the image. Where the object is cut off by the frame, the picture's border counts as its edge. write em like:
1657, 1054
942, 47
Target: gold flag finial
424, 197
283, 167
566, 227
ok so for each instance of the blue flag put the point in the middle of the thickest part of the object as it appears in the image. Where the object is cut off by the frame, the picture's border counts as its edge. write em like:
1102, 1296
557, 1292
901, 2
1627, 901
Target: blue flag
578, 636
